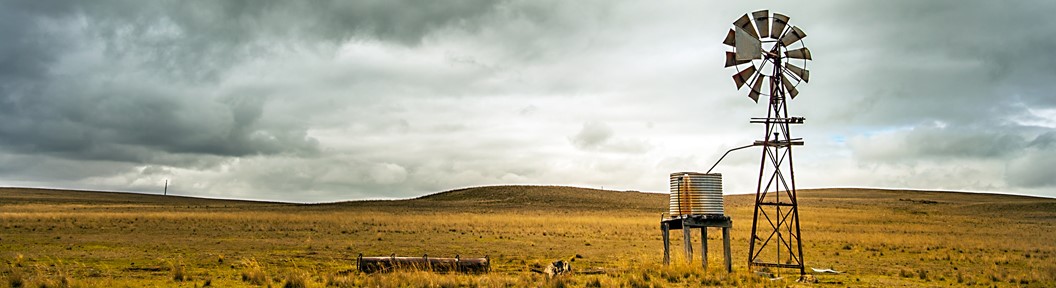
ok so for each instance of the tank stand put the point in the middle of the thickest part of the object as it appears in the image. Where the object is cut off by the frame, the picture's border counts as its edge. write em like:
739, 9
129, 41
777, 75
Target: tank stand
702, 222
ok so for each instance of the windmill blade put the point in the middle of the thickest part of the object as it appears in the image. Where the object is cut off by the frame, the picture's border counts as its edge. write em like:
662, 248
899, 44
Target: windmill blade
756, 87
802, 73
762, 21
789, 87
780, 21
731, 59
793, 36
748, 46
741, 77
745, 23
801, 53
729, 41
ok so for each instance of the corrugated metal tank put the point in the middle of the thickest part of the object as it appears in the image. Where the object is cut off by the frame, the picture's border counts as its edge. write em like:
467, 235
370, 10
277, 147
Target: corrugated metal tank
695, 193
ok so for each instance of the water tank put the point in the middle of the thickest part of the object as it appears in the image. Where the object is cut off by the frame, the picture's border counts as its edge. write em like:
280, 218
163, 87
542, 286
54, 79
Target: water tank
695, 193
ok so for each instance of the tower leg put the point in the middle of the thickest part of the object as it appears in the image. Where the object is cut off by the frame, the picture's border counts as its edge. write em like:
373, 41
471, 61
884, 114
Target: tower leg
665, 229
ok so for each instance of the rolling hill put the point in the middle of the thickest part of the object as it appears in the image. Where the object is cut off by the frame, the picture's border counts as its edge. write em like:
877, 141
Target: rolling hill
22, 196
514, 197
878, 238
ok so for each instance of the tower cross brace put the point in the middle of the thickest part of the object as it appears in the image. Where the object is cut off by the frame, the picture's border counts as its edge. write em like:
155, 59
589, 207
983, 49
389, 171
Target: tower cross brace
775, 240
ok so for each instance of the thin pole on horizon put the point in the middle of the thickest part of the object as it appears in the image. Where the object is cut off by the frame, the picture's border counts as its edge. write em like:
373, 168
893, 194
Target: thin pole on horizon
166, 192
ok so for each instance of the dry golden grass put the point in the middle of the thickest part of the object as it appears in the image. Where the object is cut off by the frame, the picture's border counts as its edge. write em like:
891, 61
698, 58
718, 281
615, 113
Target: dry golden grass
881, 238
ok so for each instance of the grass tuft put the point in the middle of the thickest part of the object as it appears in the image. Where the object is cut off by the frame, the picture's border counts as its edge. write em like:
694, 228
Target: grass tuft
906, 273
296, 279
253, 273
15, 278
341, 282
594, 283
179, 273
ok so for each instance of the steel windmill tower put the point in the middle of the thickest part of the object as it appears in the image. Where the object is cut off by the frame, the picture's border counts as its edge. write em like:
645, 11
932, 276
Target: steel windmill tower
774, 61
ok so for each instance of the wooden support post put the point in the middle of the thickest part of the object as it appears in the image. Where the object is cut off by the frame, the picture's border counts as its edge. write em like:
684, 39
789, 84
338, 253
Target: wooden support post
666, 230
726, 248
702, 223
704, 247
687, 236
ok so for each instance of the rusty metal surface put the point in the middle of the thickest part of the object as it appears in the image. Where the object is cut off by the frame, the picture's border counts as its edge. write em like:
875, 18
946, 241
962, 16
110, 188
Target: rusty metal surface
801, 53
792, 92
757, 88
780, 21
742, 77
748, 46
745, 23
793, 36
694, 193
762, 21
730, 39
424, 263
800, 72
731, 60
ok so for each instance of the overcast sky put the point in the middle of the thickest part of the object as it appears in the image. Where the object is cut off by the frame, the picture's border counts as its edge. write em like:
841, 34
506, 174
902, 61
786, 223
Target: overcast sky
311, 101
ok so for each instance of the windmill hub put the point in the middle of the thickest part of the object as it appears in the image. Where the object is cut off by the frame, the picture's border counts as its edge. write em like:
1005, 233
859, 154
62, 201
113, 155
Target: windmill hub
771, 55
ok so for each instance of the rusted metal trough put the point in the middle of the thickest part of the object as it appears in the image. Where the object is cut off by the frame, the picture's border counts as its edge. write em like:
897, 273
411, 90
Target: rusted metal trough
424, 263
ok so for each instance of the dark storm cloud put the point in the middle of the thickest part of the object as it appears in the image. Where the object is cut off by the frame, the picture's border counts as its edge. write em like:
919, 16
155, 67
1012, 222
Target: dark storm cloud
23, 55
150, 91
934, 93
913, 61
111, 122
931, 142
222, 94
1008, 158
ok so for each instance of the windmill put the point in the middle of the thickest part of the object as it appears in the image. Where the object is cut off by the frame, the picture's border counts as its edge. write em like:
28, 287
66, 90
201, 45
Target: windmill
774, 61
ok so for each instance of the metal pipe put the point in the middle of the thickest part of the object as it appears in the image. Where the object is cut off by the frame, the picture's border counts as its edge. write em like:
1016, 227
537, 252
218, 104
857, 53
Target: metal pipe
727, 153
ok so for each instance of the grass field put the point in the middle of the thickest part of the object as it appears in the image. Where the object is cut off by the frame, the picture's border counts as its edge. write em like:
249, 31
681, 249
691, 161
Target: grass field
879, 238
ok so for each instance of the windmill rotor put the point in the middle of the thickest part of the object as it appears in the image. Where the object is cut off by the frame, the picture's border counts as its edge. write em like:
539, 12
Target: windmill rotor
766, 51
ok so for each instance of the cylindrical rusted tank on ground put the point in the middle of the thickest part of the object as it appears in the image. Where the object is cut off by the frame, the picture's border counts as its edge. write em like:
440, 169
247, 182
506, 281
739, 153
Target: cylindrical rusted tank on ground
695, 193
426, 263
